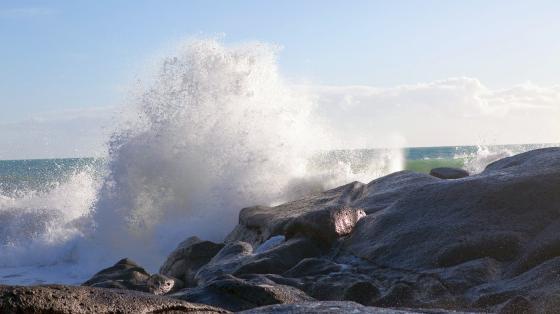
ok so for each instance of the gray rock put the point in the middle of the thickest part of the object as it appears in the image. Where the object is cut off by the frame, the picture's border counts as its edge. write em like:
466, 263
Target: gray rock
325, 225
449, 173
517, 305
474, 243
237, 294
259, 223
125, 274
280, 258
335, 307
188, 257
161, 284
313, 266
449, 222
487, 242
362, 292
75, 299
227, 261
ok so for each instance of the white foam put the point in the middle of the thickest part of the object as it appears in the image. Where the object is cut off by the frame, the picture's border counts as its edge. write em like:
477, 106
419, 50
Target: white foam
215, 129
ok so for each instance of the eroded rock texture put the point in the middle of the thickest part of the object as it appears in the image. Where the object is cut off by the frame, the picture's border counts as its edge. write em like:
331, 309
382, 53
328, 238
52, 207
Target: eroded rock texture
58, 299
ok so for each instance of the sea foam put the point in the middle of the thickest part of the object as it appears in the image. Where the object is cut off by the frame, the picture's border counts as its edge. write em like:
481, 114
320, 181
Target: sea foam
215, 128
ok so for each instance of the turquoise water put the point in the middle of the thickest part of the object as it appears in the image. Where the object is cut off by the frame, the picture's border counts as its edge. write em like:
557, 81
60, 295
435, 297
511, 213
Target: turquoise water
44, 174
41, 174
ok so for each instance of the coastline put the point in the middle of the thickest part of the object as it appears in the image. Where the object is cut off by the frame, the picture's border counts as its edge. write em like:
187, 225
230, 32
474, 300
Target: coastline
410, 241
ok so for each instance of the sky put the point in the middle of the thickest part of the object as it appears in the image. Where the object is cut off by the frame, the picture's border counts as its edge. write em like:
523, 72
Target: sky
427, 72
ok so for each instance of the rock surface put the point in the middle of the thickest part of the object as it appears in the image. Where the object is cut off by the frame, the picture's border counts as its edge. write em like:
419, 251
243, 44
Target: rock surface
489, 242
236, 294
125, 274
188, 257
71, 299
449, 173
334, 307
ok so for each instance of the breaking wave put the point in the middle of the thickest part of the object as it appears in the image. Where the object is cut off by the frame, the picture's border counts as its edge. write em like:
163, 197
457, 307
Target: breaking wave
215, 129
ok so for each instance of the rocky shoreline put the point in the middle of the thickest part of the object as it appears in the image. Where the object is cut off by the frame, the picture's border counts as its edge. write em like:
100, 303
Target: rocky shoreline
404, 243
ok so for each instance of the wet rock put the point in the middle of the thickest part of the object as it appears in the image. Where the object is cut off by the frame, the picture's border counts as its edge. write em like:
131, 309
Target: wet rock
460, 278
332, 286
312, 266
280, 258
517, 305
487, 242
259, 223
325, 225
161, 284
331, 307
362, 292
446, 222
449, 173
237, 294
75, 299
538, 284
400, 295
501, 246
125, 274
188, 257
226, 261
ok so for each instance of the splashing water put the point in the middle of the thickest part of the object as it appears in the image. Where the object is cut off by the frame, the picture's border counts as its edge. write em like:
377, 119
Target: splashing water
217, 129
478, 159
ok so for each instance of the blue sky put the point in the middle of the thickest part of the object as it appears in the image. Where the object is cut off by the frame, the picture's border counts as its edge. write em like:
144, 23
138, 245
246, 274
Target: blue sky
74, 55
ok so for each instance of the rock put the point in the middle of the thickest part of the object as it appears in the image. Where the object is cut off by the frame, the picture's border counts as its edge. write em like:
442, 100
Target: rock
517, 305
362, 292
487, 242
400, 295
325, 225
188, 257
449, 173
539, 284
332, 286
237, 294
125, 274
476, 243
161, 284
312, 266
493, 214
237, 258
332, 307
270, 244
280, 258
75, 299
259, 223
227, 261
461, 277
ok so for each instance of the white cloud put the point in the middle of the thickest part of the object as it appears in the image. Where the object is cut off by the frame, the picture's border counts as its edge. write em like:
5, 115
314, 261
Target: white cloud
64, 133
446, 112
455, 111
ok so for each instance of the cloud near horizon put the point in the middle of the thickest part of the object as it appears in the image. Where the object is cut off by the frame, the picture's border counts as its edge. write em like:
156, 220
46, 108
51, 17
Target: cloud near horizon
63, 133
455, 111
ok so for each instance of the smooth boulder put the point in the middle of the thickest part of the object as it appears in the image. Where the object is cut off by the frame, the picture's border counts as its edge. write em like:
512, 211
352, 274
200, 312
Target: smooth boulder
237, 294
125, 274
325, 225
185, 261
449, 173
